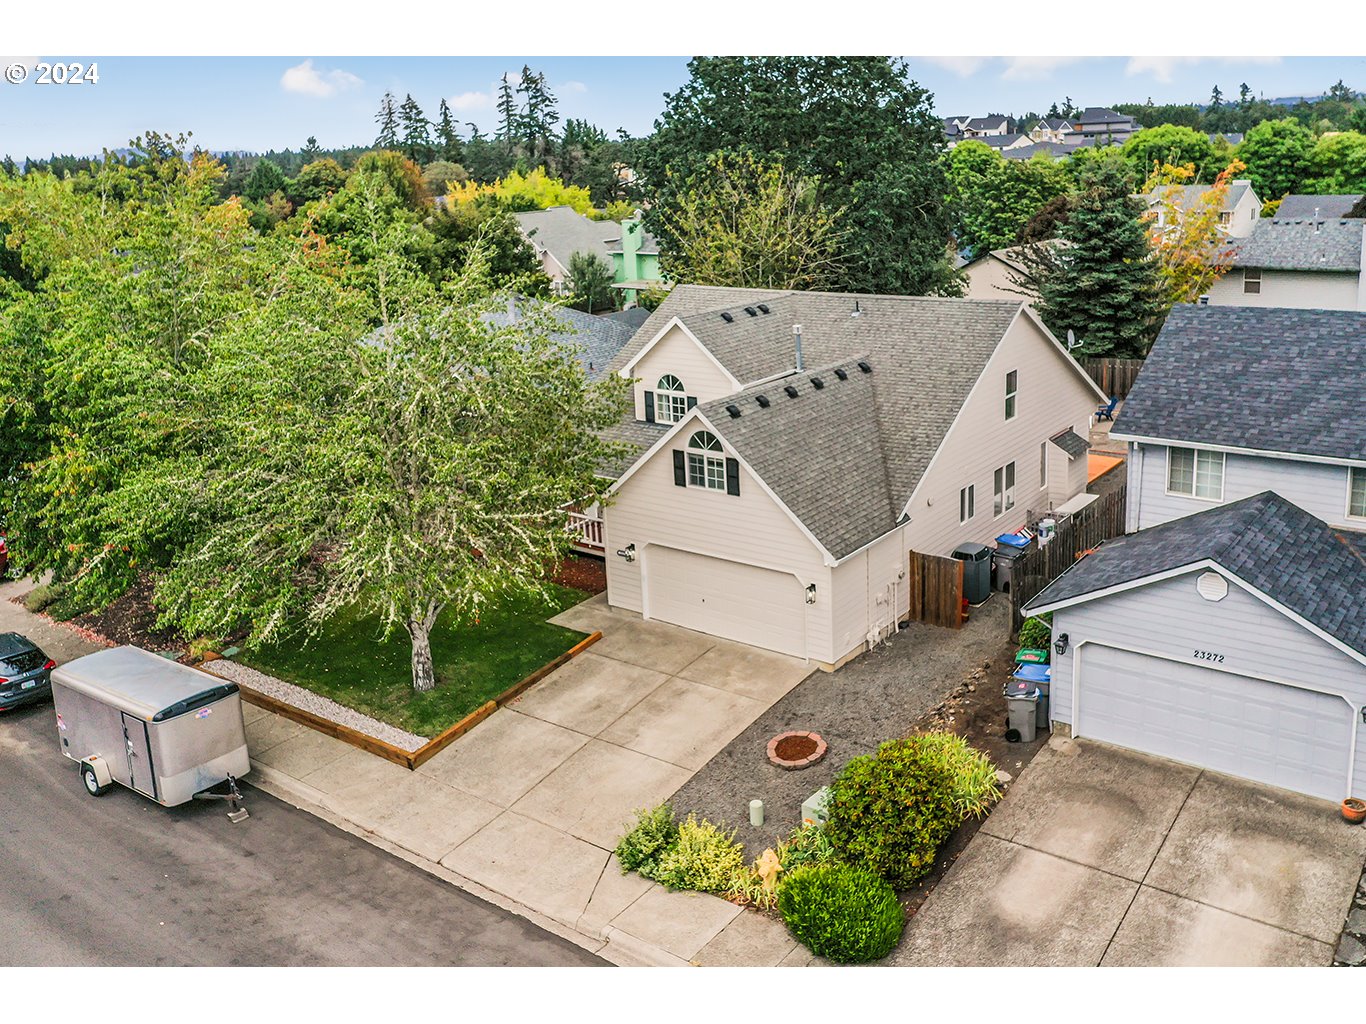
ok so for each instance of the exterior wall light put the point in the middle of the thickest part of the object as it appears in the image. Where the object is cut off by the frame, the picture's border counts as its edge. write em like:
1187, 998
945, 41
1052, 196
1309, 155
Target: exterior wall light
628, 552
1060, 644
811, 593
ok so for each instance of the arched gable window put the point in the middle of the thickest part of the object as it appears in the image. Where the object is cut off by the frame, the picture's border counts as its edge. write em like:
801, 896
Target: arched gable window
670, 400
706, 463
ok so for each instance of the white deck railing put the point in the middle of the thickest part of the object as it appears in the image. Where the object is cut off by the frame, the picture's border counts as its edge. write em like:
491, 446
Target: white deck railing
587, 531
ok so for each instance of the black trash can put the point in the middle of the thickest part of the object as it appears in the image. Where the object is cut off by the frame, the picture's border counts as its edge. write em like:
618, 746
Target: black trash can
1003, 563
976, 559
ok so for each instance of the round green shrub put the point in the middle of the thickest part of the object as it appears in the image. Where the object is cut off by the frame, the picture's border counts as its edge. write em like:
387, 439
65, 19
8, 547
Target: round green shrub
889, 812
654, 835
840, 912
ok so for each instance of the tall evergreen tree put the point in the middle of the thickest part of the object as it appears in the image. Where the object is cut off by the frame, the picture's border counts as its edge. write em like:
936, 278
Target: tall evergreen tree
310, 152
417, 135
447, 137
1103, 282
508, 119
540, 114
387, 119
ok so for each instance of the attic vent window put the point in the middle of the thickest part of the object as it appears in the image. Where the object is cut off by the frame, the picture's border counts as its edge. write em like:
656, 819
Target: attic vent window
762, 400
764, 309
751, 311
864, 367
727, 318
842, 373
734, 411
1211, 586
817, 383
790, 391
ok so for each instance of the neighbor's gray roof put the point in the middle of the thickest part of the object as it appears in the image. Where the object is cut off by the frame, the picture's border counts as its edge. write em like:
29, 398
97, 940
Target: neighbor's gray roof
1186, 196
1051, 148
563, 231
1001, 141
1306, 206
981, 123
833, 478
1268, 379
632, 318
1101, 115
637, 436
1281, 244
1071, 442
1275, 546
926, 354
595, 340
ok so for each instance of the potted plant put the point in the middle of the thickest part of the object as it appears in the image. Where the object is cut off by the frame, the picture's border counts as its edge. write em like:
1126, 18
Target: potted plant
1353, 810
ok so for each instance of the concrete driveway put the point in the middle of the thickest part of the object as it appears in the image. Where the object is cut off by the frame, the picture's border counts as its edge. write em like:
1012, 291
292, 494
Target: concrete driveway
1098, 855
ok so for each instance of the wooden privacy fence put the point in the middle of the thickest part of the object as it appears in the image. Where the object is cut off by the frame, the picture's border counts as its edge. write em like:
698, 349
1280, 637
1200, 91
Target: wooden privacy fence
1099, 521
935, 586
1114, 376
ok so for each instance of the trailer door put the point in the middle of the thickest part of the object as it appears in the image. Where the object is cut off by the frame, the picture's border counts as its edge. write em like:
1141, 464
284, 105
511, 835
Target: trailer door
139, 755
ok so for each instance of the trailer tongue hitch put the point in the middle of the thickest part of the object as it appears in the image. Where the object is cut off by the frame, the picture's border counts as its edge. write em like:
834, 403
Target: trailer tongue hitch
236, 812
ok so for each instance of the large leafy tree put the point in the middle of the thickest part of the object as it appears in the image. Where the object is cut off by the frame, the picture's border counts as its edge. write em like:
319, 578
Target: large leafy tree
1192, 249
993, 199
511, 263
1276, 154
590, 282
857, 124
1102, 282
740, 223
1337, 164
1153, 147
265, 180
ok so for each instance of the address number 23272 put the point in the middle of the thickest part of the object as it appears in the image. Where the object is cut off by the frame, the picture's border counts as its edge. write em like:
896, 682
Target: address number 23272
1218, 659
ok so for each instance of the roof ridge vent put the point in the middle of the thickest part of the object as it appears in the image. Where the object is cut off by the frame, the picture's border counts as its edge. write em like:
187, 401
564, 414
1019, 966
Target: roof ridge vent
790, 391
817, 383
863, 365
751, 311
734, 411
763, 308
727, 318
762, 401
841, 373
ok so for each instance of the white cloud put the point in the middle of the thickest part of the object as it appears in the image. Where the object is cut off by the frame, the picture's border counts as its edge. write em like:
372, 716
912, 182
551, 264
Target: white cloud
1164, 68
470, 101
571, 87
960, 66
310, 81
1033, 69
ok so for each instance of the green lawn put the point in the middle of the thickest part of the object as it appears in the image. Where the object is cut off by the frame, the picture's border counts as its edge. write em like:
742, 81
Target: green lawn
349, 663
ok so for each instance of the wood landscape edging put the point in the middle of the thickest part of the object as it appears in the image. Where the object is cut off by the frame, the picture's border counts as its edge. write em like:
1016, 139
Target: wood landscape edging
411, 759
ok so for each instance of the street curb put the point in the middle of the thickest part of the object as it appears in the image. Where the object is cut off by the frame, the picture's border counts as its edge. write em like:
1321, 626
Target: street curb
616, 947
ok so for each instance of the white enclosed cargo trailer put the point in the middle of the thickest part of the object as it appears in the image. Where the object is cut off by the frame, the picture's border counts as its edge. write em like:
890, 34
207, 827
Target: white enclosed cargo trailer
162, 729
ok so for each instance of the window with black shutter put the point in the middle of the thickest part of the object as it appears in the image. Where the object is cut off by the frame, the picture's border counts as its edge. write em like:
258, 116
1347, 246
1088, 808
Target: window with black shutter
680, 470
649, 407
732, 477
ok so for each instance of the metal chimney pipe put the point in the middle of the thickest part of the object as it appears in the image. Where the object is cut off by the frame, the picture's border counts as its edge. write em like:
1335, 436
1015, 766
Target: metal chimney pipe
797, 337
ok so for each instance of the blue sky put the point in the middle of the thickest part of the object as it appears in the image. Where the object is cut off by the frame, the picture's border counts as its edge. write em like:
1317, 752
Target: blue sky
272, 102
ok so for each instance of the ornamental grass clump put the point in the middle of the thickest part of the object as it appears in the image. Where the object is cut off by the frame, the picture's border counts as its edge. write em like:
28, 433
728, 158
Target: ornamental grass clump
844, 913
890, 812
654, 835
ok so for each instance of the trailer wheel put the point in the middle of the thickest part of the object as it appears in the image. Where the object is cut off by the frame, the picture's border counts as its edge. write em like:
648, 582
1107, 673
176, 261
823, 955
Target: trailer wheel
92, 784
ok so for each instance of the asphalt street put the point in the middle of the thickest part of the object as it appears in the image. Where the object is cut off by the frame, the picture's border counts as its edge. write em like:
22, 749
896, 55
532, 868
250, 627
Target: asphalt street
119, 880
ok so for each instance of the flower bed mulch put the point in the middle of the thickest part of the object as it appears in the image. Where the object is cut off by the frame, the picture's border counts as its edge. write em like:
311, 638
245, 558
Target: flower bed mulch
582, 572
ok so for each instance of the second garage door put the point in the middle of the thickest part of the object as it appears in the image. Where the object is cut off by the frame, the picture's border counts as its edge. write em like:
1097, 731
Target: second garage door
1281, 735
728, 599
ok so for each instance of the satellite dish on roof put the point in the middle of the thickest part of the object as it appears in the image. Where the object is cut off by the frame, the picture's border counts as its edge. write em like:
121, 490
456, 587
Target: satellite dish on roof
1072, 341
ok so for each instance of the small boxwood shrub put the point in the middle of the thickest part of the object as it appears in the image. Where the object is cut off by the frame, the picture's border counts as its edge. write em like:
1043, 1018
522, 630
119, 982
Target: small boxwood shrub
840, 912
706, 858
889, 812
655, 834
1036, 633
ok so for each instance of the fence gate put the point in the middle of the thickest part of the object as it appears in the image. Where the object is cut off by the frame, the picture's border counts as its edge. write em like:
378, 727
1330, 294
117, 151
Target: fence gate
935, 587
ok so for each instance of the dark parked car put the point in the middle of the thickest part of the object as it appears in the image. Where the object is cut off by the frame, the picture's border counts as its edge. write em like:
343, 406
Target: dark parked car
24, 672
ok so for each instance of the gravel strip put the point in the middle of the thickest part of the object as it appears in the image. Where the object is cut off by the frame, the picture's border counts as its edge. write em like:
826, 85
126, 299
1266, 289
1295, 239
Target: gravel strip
874, 698
307, 700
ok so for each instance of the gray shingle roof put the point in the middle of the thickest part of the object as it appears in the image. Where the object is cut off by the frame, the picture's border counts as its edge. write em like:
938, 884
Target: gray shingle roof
1265, 540
820, 452
978, 124
1185, 196
632, 318
1269, 379
595, 340
1054, 149
1324, 245
1071, 442
637, 436
926, 353
1306, 206
562, 231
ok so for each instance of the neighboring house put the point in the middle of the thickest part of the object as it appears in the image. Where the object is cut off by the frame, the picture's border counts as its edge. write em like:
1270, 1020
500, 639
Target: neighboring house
632, 318
995, 276
594, 340
1053, 149
1305, 264
1232, 402
987, 127
1006, 142
1102, 125
559, 232
796, 446
1307, 207
1238, 214
1050, 129
953, 128
1233, 639
1232, 138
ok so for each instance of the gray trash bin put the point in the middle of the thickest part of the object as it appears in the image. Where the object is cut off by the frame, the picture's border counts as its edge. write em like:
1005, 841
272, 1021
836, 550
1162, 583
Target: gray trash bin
976, 559
1022, 708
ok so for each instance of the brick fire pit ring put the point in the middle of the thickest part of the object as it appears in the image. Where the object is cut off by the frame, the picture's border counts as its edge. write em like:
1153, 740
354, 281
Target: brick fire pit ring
793, 751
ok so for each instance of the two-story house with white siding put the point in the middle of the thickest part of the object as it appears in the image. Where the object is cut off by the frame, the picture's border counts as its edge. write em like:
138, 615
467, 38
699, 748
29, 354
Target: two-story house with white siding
794, 447
1304, 264
1239, 213
1232, 402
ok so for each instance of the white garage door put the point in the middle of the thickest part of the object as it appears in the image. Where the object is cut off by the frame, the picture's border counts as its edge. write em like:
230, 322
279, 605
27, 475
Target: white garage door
729, 599
1280, 735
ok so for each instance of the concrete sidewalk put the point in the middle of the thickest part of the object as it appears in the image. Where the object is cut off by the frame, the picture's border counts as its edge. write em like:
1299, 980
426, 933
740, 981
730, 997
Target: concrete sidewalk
525, 810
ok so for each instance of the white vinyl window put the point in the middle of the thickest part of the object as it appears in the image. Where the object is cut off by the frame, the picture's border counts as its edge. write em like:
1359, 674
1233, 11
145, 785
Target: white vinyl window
1195, 473
1356, 492
1012, 388
1252, 281
706, 469
967, 503
1003, 491
671, 404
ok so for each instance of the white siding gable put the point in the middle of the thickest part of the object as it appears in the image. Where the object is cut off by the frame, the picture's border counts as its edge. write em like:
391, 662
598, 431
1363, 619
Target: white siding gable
677, 353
